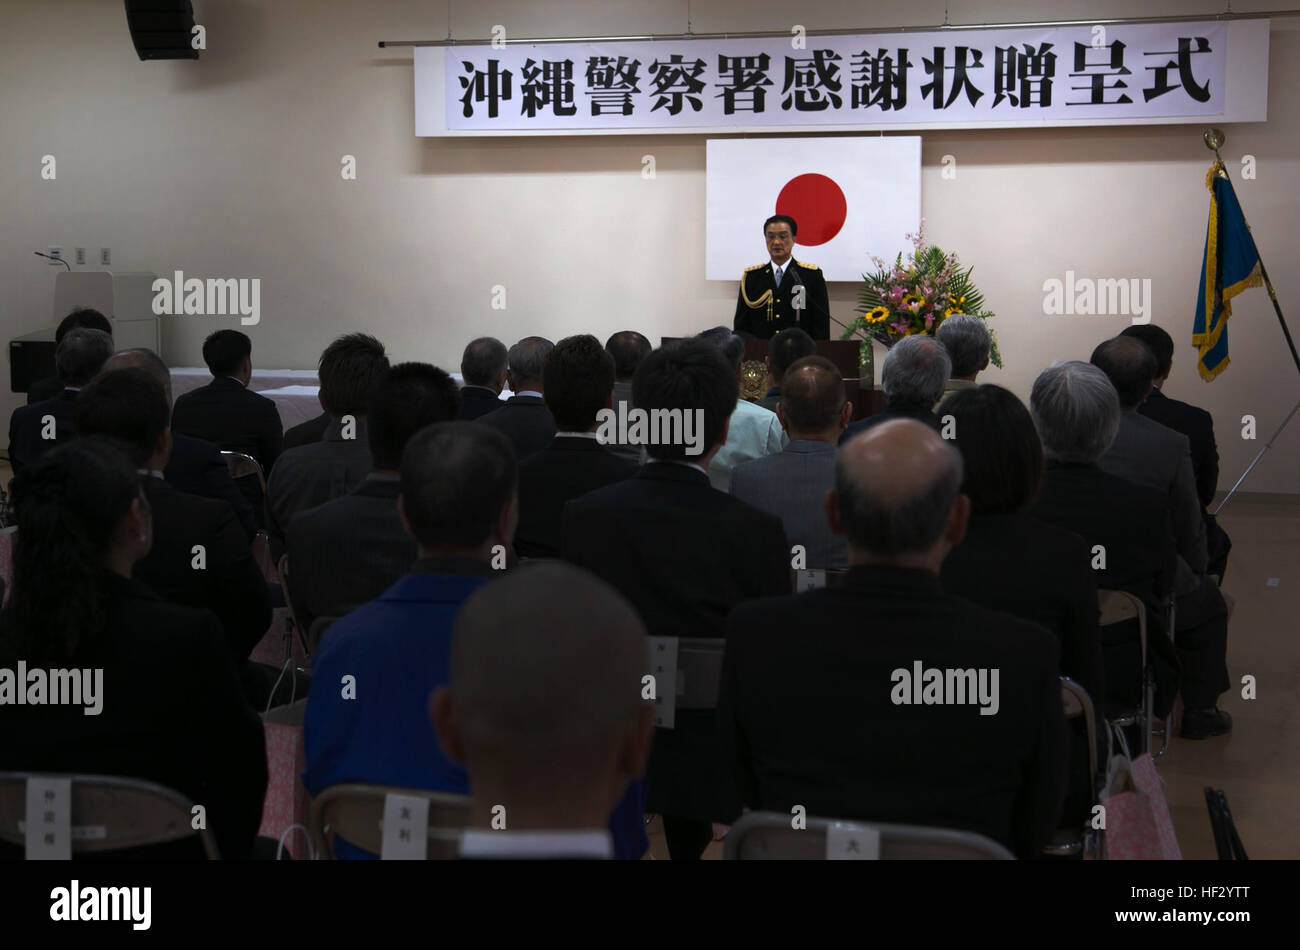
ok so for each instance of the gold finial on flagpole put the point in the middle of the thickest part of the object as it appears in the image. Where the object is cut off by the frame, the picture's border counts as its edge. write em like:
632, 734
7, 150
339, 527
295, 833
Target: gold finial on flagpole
1214, 139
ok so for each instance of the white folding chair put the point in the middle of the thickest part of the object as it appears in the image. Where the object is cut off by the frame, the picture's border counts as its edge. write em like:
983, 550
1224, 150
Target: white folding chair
108, 813
773, 836
354, 811
1084, 840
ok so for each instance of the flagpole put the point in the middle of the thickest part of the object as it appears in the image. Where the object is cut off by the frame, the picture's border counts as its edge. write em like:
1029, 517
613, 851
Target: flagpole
1214, 139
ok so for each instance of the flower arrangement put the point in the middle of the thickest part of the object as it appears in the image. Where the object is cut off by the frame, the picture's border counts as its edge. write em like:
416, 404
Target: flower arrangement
915, 295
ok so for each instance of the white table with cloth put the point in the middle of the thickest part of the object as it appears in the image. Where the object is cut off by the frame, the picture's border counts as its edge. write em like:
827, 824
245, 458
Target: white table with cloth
294, 391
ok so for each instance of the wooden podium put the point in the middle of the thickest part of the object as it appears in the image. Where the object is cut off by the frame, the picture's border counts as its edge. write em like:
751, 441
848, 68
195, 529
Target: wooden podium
867, 399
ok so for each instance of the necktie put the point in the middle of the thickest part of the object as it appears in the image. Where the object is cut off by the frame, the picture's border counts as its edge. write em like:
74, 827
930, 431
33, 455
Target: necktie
778, 276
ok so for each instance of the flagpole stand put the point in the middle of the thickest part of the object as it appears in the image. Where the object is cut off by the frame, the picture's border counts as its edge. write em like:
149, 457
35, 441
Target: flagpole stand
1214, 139
1267, 445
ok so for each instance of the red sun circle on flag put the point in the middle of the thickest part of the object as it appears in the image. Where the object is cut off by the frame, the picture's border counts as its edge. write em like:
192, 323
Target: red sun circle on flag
817, 205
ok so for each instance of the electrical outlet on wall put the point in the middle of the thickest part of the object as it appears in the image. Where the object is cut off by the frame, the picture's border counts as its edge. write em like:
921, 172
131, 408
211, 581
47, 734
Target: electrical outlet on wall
56, 252
81, 255
104, 257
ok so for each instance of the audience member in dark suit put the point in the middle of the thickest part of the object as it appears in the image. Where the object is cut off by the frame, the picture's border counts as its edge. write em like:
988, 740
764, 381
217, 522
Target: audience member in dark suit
969, 345
1125, 526
817, 701
350, 550
554, 743
1012, 562
305, 433
1148, 453
793, 484
1198, 426
200, 555
578, 381
913, 376
195, 466
684, 554
629, 348
311, 475
38, 427
789, 345
524, 419
1009, 560
84, 317
483, 372
227, 412
170, 709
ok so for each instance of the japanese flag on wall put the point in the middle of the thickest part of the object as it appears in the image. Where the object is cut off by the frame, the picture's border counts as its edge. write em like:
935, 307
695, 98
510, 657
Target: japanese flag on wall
852, 197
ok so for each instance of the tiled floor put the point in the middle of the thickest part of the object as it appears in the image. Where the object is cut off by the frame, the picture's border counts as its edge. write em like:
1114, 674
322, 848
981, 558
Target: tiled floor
1258, 765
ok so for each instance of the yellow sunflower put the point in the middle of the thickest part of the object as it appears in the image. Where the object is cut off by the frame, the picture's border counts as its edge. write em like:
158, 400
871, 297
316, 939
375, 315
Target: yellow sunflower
912, 302
951, 310
879, 315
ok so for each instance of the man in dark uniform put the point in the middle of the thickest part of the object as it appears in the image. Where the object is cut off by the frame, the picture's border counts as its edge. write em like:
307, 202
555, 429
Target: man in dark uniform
770, 298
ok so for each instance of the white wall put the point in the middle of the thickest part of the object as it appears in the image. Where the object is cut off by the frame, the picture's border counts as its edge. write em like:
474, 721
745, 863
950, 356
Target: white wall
230, 166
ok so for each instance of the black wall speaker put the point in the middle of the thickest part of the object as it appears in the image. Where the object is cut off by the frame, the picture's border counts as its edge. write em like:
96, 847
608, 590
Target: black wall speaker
161, 29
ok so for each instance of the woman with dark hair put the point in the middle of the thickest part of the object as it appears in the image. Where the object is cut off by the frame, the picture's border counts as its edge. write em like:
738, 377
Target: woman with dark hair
167, 705
1009, 560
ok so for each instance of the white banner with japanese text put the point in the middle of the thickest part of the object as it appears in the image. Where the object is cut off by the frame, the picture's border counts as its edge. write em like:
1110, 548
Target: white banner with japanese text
1070, 75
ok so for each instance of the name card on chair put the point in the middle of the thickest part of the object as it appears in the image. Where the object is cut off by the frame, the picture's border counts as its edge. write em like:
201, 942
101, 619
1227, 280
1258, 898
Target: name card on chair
852, 843
661, 660
809, 580
406, 828
49, 819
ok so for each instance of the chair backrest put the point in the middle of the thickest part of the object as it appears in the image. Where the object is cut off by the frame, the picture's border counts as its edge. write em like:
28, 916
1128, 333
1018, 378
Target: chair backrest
772, 836
688, 673
243, 465
1078, 704
108, 813
8, 538
699, 671
1119, 606
811, 579
355, 812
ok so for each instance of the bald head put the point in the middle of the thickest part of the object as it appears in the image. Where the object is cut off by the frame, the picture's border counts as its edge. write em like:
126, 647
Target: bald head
544, 700
145, 359
897, 495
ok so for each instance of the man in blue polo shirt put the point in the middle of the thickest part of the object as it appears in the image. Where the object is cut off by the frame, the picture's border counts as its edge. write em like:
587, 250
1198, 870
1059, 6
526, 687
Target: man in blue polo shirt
367, 713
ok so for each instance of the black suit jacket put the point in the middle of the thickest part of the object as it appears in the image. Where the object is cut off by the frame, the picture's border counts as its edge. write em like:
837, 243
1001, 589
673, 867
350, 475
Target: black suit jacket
305, 433
478, 401
919, 413
808, 713
1131, 524
570, 467
683, 554
196, 467
173, 713
43, 389
234, 417
525, 421
347, 551
763, 309
230, 585
1016, 564
1198, 426
26, 426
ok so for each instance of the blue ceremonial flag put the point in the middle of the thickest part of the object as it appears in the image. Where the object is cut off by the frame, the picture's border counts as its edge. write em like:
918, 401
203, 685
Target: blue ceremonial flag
1230, 265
